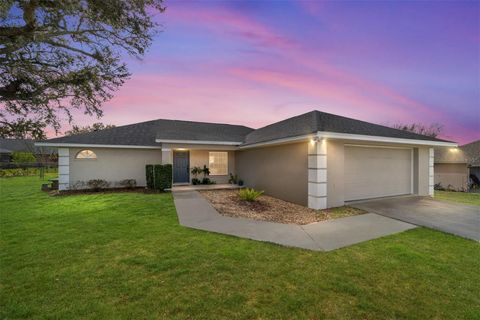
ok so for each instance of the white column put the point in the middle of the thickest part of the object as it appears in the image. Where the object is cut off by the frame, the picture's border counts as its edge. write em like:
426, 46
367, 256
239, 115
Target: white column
430, 172
317, 174
63, 169
167, 156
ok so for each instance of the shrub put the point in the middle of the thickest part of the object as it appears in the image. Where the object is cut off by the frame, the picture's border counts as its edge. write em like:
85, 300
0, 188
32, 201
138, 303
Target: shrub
159, 177
207, 181
78, 185
205, 171
196, 181
23, 157
438, 186
128, 183
98, 184
249, 194
196, 171
233, 179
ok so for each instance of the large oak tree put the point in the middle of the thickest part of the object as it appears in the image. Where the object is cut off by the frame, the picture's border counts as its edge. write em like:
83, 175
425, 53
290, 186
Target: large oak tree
61, 55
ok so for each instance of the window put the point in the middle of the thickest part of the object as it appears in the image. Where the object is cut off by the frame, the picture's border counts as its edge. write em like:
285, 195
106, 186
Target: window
86, 154
218, 163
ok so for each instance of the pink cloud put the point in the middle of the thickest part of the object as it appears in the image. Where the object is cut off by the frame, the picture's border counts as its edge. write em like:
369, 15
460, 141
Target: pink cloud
227, 22
254, 31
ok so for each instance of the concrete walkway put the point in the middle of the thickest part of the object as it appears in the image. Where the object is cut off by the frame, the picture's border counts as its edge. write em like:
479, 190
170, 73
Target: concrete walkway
195, 211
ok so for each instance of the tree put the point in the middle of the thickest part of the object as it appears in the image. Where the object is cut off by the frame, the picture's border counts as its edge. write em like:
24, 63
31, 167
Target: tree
94, 127
432, 131
57, 56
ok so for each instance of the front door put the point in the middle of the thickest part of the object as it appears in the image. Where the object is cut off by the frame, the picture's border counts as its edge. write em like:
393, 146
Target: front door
181, 167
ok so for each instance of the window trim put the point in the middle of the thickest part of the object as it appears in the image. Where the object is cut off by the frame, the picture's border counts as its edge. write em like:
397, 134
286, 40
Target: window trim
209, 165
94, 153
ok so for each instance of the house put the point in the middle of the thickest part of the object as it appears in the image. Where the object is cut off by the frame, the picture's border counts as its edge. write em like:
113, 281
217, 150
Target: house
472, 153
9, 146
451, 169
315, 159
453, 166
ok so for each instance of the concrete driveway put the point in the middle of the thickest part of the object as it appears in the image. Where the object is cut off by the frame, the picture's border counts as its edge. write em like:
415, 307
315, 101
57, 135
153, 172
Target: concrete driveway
461, 220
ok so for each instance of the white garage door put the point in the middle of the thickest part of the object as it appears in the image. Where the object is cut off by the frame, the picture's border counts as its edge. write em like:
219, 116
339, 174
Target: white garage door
372, 172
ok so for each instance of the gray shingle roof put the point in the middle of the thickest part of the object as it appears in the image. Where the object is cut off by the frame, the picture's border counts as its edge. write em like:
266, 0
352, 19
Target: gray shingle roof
314, 121
145, 133
22, 145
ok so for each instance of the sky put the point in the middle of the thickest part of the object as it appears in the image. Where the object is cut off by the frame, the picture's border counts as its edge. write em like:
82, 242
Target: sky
257, 62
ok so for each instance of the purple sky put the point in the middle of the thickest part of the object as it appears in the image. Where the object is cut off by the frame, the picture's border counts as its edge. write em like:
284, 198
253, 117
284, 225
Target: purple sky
257, 62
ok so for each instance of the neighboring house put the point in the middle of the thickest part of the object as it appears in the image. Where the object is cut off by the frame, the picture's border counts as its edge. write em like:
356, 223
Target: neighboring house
9, 146
315, 159
451, 169
454, 166
472, 153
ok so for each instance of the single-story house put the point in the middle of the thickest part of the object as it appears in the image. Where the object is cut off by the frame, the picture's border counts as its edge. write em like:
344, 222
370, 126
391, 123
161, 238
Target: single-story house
10, 146
315, 159
454, 167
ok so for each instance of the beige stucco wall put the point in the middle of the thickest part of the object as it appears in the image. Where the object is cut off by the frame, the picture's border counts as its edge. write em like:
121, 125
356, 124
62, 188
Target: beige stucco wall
452, 175
199, 158
113, 165
281, 171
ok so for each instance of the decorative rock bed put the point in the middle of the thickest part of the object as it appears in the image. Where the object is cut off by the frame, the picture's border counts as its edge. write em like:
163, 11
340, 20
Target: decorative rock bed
266, 208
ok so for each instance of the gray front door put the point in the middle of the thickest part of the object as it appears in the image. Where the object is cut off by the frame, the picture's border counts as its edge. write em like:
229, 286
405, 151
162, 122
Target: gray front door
181, 167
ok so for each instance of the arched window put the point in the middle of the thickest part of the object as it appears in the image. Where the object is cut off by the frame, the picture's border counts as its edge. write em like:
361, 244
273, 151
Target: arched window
86, 154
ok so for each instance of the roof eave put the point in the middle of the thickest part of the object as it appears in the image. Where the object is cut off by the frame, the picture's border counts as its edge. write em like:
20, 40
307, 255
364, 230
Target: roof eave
201, 142
349, 136
90, 145
361, 137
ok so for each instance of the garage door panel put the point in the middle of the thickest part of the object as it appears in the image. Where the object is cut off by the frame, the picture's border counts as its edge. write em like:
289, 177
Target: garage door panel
377, 172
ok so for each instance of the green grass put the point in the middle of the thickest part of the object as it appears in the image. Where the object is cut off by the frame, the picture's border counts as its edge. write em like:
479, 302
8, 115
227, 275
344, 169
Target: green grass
124, 256
460, 197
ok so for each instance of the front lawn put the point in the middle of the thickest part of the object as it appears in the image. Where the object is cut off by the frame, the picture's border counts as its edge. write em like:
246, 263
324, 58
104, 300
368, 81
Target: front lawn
124, 256
460, 197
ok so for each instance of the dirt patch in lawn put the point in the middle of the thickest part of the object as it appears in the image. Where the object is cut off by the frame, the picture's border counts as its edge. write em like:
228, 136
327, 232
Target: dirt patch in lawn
266, 208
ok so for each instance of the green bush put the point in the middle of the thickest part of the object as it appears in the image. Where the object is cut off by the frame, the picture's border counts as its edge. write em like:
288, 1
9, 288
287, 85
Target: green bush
159, 177
23, 157
19, 172
98, 184
207, 181
249, 194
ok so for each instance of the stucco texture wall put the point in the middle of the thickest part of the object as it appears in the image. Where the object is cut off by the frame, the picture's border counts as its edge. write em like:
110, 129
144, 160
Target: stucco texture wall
281, 171
113, 165
452, 175
199, 158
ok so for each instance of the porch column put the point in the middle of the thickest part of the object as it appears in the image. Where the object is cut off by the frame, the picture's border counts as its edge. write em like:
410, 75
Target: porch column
167, 156
431, 172
63, 169
317, 174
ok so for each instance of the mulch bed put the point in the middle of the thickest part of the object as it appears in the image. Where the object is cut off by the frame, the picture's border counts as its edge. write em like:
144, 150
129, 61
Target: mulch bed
266, 208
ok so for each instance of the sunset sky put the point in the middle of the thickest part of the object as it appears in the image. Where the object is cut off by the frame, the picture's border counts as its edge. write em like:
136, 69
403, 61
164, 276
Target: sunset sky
257, 62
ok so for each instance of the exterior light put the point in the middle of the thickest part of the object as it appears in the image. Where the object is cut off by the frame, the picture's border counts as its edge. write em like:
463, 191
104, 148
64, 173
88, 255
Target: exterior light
454, 150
